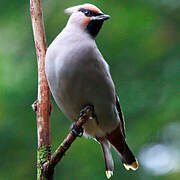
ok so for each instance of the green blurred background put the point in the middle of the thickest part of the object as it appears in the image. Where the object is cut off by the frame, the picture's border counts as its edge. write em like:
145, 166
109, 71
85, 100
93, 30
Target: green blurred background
141, 44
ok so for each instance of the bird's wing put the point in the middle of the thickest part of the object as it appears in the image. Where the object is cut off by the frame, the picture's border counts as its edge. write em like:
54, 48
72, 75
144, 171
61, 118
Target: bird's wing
121, 116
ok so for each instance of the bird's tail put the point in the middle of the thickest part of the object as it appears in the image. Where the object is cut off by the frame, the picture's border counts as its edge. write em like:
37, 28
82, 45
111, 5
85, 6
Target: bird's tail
119, 143
109, 164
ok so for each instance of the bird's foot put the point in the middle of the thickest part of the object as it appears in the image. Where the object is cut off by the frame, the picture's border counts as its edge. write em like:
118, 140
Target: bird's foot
85, 109
77, 131
88, 110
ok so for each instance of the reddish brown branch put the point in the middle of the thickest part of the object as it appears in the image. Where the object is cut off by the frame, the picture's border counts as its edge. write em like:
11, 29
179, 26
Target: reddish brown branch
43, 103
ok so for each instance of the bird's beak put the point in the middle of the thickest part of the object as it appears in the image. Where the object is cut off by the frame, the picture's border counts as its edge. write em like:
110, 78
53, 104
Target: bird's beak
102, 17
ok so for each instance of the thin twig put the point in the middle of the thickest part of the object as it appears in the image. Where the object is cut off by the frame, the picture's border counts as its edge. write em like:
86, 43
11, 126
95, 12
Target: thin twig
61, 150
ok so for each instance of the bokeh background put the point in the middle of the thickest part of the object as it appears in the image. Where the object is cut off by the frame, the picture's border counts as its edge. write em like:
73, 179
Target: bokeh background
141, 43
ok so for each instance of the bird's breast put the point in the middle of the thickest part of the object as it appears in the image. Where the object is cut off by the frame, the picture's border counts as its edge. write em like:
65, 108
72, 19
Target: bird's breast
78, 79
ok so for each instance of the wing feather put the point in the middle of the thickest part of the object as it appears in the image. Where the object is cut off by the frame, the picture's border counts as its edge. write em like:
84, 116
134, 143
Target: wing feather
121, 116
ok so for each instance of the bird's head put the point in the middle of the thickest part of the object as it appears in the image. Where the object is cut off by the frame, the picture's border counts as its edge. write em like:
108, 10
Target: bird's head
87, 17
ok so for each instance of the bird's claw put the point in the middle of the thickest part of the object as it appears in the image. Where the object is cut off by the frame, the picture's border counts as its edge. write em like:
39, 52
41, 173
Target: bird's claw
85, 109
77, 131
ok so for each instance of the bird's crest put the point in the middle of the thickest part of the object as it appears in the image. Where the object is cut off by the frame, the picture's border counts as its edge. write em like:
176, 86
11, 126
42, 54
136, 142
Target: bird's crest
87, 6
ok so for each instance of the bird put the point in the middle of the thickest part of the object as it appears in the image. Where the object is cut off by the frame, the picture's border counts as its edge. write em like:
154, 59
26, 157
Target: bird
78, 76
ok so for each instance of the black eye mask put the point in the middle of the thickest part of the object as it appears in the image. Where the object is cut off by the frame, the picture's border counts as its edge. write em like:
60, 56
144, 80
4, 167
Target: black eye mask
89, 13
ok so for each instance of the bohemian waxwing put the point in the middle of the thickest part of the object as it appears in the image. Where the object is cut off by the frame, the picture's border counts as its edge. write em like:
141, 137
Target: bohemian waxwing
78, 76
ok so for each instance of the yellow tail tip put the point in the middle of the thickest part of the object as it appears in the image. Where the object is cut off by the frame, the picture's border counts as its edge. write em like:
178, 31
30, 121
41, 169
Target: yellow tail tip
109, 174
132, 166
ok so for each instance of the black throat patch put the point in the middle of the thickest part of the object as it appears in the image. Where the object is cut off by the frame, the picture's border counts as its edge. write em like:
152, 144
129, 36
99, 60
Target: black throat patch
94, 27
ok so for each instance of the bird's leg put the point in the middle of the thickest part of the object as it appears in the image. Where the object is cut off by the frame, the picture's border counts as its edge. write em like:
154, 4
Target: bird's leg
76, 130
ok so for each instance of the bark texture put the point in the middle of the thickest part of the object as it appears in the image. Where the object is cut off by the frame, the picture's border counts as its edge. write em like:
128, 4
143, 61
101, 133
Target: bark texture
42, 105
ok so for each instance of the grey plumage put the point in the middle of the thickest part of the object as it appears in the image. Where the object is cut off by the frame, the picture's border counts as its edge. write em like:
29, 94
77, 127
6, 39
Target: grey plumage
78, 75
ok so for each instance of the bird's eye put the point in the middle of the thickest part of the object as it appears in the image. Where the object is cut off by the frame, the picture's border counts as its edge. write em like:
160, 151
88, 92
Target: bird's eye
88, 13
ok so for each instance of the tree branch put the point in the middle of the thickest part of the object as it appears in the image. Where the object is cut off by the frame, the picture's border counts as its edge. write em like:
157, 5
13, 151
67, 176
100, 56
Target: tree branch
49, 166
42, 105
